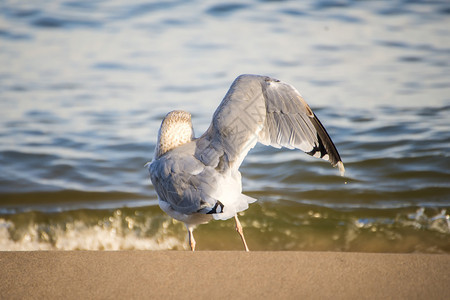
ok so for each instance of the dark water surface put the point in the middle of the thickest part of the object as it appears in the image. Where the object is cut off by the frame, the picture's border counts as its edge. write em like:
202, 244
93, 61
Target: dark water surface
84, 86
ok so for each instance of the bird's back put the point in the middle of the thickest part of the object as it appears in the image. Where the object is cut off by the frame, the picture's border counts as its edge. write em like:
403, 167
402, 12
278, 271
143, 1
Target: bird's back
193, 179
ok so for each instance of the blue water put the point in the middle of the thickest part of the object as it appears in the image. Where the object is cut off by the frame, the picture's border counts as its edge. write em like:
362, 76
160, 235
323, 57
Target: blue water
84, 86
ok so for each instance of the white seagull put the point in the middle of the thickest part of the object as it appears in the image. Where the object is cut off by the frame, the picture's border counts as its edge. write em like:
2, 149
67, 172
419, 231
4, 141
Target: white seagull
198, 179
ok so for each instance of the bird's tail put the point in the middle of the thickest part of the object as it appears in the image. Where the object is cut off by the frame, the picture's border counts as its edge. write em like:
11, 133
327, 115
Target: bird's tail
231, 209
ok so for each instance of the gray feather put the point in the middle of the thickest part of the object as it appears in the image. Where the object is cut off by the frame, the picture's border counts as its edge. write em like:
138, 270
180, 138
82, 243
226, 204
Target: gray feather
183, 181
263, 109
255, 109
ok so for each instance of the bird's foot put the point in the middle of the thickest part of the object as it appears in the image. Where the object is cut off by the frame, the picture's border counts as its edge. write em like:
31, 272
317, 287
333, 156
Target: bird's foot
241, 232
191, 239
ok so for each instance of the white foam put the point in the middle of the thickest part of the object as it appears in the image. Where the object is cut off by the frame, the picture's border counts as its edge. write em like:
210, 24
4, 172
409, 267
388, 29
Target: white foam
79, 236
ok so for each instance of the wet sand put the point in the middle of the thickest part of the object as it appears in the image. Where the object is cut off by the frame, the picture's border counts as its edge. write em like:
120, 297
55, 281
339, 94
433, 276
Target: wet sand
222, 275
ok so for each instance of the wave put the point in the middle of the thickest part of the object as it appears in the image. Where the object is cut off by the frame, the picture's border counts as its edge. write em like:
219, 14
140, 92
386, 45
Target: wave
65, 200
123, 229
268, 226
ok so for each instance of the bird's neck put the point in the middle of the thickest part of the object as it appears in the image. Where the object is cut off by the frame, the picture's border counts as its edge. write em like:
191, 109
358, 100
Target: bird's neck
172, 135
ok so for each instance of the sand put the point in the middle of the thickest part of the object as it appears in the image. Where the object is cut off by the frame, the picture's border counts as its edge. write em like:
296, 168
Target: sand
222, 275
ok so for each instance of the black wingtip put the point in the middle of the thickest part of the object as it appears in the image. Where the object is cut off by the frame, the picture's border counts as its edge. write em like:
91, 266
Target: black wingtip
326, 146
217, 209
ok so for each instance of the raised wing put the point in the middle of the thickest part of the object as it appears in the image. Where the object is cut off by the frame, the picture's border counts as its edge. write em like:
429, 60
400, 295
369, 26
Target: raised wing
266, 110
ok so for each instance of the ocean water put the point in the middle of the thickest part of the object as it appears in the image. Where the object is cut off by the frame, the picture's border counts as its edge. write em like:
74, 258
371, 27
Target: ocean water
84, 86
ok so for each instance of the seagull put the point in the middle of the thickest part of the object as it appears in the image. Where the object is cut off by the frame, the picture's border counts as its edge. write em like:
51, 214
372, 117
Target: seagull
198, 179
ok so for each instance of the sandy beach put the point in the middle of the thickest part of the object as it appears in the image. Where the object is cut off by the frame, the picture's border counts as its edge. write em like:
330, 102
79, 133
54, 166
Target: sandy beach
222, 275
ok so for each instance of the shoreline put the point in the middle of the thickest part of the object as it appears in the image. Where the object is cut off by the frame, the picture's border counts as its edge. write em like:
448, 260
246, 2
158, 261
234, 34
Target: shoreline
222, 275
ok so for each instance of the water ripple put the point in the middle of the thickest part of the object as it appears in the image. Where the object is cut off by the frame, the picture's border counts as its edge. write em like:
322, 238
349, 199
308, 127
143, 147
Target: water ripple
85, 84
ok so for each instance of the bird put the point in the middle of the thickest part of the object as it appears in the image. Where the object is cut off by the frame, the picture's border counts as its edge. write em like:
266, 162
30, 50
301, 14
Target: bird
198, 179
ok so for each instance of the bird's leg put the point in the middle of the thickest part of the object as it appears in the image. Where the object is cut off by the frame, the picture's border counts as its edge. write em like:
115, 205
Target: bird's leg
241, 232
191, 237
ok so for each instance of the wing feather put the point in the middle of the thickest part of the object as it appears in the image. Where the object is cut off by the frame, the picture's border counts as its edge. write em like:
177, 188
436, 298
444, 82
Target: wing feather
266, 110
186, 184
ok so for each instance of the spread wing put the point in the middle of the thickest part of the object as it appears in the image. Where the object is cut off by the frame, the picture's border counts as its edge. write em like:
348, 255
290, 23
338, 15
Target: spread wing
266, 110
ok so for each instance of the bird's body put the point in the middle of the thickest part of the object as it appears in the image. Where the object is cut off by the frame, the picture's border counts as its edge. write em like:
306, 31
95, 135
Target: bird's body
197, 179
